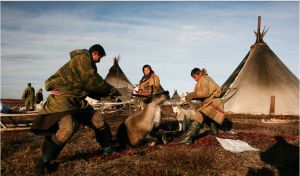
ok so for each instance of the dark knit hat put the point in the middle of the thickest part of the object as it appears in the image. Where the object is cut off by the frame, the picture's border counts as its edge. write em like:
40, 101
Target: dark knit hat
195, 71
98, 48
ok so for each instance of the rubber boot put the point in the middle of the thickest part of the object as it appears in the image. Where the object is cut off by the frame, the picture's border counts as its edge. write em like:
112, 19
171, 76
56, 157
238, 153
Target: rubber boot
104, 138
50, 151
213, 129
190, 133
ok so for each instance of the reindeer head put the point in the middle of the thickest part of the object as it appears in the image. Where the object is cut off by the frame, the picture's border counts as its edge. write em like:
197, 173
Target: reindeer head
158, 98
175, 109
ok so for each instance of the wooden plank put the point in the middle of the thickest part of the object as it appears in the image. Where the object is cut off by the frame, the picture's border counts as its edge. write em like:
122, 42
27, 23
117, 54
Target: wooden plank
272, 105
2, 125
112, 103
18, 114
14, 124
11, 125
15, 129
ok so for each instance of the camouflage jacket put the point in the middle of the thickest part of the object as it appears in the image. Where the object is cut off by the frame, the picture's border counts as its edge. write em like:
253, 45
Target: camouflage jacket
75, 80
28, 93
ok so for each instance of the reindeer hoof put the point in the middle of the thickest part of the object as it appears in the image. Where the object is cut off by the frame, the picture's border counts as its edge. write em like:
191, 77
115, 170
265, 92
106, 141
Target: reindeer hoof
152, 144
164, 138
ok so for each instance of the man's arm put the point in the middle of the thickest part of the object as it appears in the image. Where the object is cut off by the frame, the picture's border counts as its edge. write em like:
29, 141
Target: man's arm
201, 91
24, 95
91, 80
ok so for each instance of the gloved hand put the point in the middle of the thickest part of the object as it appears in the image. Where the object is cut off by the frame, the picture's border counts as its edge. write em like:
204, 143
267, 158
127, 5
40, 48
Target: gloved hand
189, 97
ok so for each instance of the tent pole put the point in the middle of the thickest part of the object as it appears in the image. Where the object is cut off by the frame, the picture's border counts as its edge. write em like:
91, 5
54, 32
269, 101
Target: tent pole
272, 105
258, 25
259, 37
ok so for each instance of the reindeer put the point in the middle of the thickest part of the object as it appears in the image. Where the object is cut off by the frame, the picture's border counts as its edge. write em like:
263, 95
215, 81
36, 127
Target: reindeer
136, 128
182, 115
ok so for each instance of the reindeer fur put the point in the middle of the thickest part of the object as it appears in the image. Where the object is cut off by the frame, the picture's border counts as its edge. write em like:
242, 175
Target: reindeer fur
182, 115
137, 126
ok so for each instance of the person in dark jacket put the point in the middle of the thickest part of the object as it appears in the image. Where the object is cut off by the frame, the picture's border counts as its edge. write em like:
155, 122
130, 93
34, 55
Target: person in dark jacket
28, 96
39, 96
66, 106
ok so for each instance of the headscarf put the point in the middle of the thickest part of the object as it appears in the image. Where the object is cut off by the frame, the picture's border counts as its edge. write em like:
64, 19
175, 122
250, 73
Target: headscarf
146, 77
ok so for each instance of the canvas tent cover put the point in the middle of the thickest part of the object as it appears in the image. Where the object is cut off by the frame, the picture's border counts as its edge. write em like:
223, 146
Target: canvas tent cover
258, 77
175, 96
119, 80
116, 76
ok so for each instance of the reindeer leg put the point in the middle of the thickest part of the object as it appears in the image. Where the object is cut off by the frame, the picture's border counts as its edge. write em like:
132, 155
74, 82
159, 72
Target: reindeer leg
180, 125
150, 139
183, 125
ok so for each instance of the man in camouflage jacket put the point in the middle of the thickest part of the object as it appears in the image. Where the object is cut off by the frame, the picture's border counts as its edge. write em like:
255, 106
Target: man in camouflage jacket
28, 96
209, 92
66, 105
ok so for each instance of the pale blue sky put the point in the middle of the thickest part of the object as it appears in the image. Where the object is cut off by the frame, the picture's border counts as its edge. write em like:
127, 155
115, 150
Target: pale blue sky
173, 37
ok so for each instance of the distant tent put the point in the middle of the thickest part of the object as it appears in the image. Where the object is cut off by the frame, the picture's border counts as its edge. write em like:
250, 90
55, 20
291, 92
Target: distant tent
118, 79
116, 76
261, 84
161, 89
175, 96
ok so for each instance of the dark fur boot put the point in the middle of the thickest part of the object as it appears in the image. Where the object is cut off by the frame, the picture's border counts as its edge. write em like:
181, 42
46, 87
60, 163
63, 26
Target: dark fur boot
191, 133
50, 151
213, 129
104, 138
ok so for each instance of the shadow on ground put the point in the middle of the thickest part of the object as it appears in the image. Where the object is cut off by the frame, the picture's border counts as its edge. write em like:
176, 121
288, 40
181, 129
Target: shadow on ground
281, 155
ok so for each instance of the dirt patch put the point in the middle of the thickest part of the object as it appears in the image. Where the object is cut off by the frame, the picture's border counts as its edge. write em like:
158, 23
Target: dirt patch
278, 146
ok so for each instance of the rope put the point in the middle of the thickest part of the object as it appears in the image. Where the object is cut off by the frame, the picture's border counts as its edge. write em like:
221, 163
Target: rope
228, 91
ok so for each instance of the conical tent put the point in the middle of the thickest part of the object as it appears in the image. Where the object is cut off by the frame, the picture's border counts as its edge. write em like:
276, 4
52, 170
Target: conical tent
118, 79
261, 84
116, 76
175, 96
161, 89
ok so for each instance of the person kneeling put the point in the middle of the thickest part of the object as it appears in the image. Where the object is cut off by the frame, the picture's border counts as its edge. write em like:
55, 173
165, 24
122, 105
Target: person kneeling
209, 92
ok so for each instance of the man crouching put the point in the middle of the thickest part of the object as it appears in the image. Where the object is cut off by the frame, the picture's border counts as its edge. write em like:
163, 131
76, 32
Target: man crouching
66, 105
212, 107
